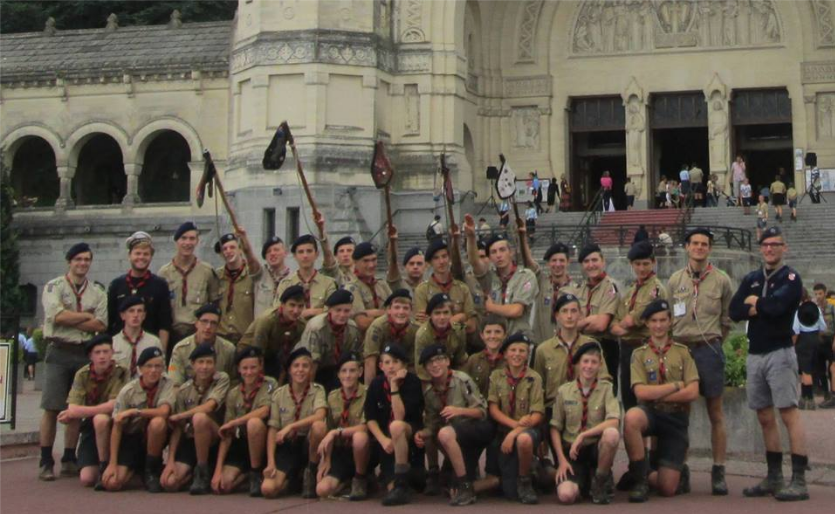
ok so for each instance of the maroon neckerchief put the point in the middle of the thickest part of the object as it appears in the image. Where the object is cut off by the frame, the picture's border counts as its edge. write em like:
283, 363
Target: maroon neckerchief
397, 333
93, 396
278, 277
493, 360
150, 393
133, 344
513, 382
387, 389
371, 282
442, 395
569, 350
77, 291
506, 280
306, 286
249, 398
638, 285
184, 273
440, 335
232, 275
697, 279
338, 332
445, 287
298, 412
592, 283
141, 281
661, 354
346, 406
556, 288
585, 398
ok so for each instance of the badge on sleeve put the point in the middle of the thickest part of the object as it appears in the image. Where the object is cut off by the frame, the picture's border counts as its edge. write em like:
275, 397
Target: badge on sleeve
792, 276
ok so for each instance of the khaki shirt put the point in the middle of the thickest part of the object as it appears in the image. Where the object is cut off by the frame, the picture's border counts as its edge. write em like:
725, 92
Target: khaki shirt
343, 276
82, 386
273, 337
629, 189
702, 317
379, 335
364, 296
189, 397
552, 361
58, 296
320, 286
266, 288
568, 410
123, 351
544, 325
529, 395
463, 392
479, 368
604, 298
402, 283
828, 311
477, 288
791, 194
459, 293
521, 288
455, 343
235, 407
778, 188
696, 175
320, 341
180, 368
283, 407
356, 409
651, 290
680, 367
203, 288
132, 396
235, 320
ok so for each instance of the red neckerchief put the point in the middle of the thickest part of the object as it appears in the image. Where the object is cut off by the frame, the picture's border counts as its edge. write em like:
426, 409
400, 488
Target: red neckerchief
494, 360
638, 285
513, 382
306, 286
134, 288
569, 350
440, 335
697, 279
397, 333
445, 287
442, 395
249, 398
233, 276
150, 393
298, 413
346, 406
133, 349
93, 396
184, 273
506, 280
591, 285
387, 389
371, 282
77, 291
556, 288
662, 356
338, 332
585, 398
278, 277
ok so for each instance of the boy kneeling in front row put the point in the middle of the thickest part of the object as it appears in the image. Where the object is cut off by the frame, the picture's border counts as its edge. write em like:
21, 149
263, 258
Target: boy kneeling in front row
584, 431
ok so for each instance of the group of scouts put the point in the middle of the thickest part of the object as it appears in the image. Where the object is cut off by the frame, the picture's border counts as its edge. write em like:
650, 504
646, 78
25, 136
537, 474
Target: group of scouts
258, 378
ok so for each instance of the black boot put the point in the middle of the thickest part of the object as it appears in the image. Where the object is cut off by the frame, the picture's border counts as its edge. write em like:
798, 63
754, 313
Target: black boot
433, 482
718, 485
399, 494
524, 488
773, 482
200, 484
796, 489
256, 476
309, 481
99, 484
464, 493
684, 481
153, 469
640, 491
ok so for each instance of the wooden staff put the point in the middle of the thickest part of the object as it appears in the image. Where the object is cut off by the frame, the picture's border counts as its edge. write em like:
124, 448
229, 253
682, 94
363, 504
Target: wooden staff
454, 248
292, 142
210, 176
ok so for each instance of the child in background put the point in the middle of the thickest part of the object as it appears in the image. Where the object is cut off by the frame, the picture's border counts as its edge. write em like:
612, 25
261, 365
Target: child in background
762, 213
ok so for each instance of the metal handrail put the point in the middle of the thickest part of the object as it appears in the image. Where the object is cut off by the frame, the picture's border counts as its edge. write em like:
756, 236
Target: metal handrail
733, 237
582, 233
384, 225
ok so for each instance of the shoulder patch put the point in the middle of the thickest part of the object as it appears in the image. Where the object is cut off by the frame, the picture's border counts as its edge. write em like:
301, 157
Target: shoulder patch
101, 286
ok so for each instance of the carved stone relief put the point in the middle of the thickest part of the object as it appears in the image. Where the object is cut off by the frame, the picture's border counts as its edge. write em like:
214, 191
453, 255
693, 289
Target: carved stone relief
817, 72
411, 20
636, 128
527, 86
527, 31
718, 123
412, 121
826, 22
825, 115
525, 124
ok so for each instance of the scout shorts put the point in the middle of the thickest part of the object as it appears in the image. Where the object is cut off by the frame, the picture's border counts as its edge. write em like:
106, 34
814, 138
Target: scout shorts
61, 363
772, 379
761, 223
187, 453
291, 457
238, 455
88, 454
509, 463
778, 199
671, 430
710, 362
132, 452
584, 467
473, 435
806, 350
343, 467
417, 469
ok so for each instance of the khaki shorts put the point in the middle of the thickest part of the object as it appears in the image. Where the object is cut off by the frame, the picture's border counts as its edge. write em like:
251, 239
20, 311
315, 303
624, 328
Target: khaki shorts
61, 363
772, 379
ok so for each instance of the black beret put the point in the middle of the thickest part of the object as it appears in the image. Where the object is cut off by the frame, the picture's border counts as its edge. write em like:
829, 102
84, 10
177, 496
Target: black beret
275, 240
347, 240
306, 239
770, 232
349, 357
209, 308
698, 231
588, 347
77, 249
430, 352
808, 314
130, 301
588, 250
148, 354
396, 351
564, 300
202, 350
436, 245
518, 337
97, 340
398, 293
482, 244
339, 297
225, 238
656, 306
363, 249
495, 238
640, 250
436, 301
248, 352
413, 252
300, 351
292, 293
555, 249
188, 226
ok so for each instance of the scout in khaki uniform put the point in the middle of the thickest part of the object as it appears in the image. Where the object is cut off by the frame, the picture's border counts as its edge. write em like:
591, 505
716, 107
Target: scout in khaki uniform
394, 413
442, 281
778, 196
329, 336
198, 412
513, 289
701, 296
599, 303
395, 327
481, 365
140, 424
75, 308
345, 450
243, 435
665, 381
131, 341
827, 345
266, 290
439, 329
584, 431
455, 418
629, 326
477, 290
181, 367
317, 286
369, 293
517, 406
276, 333
91, 399
338, 264
552, 285
192, 283
238, 277
294, 434
414, 266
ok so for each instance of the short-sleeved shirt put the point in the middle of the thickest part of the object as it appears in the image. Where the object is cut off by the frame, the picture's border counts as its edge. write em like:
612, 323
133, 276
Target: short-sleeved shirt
703, 316
83, 388
634, 301
320, 288
402, 283
132, 396
356, 408
522, 288
124, 352
59, 295
154, 292
276, 337
829, 318
378, 402
602, 298
696, 175
479, 367
283, 406
544, 325
319, 339
778, 188
462, 392
552, 361
459, 293
238, 309
202, 287
342, 275
380, 333
567, 417
629, 189
477, 288
180, 368
679, 367
190, 396
235, 405
266, 288
366, 298
455, 344
530, 396
762, 210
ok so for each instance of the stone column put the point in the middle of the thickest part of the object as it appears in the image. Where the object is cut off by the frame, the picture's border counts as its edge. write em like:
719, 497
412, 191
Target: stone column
132, 196
637, 160
718, 130
65, 174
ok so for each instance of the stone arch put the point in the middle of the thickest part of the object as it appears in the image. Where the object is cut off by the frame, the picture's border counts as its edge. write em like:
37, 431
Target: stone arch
34, 172
79, 137
145, 135
12, 141
98, 170
165, 174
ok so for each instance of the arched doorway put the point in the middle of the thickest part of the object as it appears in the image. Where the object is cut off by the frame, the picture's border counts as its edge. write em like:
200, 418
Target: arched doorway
165, 175
100, 176
34, 175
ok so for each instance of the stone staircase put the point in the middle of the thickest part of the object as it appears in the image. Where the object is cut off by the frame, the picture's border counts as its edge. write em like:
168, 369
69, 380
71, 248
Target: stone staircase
618, 228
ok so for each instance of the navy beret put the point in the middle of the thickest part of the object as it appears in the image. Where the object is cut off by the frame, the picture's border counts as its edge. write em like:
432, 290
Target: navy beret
482, 244
696, 231
347, 240
77, 249
654, 307
339, 297
306, 239
495, 238
413, 252
202, 350
209, 308
97, 340
588, 347
349, 357
431, 352
396, 351
769, 233
555, 249
225, 238
399, 293
300, 351
640, 250
275, 240
188, 226
435, 246
148, 354
808, 313
248, 352
130, 301
518, 337
295, 292
363, 249
588, 250
436, 301
564, 300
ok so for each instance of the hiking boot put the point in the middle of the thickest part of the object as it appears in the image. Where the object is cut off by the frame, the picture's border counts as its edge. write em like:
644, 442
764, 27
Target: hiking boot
433, 483
524, 489
828, 404
601, 488
309, 483
464, 494
796, 488
684, 481
766, 487
200, 484
359, 489
717, 481
99, 484
640, 490
399, 495
153, 468
69, 468
255, 478
46, 472
810, 404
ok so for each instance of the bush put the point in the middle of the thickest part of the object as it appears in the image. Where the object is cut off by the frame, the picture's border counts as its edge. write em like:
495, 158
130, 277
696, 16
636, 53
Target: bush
40, 343
736, 353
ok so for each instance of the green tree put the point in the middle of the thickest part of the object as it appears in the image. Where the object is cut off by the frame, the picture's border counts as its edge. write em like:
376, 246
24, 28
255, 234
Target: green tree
10, 296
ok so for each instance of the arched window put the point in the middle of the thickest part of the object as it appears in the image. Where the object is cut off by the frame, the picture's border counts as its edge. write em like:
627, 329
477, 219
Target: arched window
100, 176
165, 175
34, 174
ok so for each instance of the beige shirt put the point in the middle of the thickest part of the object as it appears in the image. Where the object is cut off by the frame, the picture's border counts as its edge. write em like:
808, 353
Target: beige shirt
266, 288
132, 396
83, 387
704, 316
320, 288
283, 407
236, 316
203, 287
462, 392
59, 295
180, 368
190, 396
356, 408
235, 406
124, 352
319, 339
567, 417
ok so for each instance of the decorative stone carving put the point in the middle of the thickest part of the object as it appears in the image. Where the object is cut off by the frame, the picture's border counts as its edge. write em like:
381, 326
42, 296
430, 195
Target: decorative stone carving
825, 23
718, 122
527, 30
414, 62
176, 20
112, 23
525, 124
636, 128
825, 115
520, 87
411, 20
817, 72
412, 98
355, 52
49, 26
